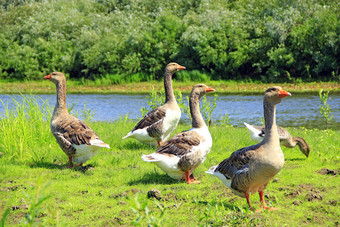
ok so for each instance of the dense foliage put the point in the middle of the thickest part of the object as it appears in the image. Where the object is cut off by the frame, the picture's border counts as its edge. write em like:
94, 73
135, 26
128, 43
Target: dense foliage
132, 40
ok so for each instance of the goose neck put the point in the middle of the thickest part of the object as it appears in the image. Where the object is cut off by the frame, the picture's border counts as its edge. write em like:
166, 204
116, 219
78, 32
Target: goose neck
169, 92
271, 133
60, 106
197, 119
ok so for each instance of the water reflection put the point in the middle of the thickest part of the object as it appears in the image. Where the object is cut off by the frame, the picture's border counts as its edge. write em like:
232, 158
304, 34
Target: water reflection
294, 111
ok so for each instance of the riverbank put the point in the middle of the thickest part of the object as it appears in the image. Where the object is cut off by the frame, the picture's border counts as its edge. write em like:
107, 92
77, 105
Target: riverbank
222, 87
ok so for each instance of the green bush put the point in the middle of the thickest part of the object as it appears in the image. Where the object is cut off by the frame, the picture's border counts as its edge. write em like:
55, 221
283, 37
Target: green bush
272, 41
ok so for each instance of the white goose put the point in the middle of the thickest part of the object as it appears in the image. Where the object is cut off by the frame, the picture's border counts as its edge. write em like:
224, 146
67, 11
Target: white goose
158, 124
257, 134
185, 151
249, 169
75, 137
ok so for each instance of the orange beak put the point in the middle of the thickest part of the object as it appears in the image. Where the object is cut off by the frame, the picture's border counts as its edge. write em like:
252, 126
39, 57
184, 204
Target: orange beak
283, 93
47, 77
180, 67
209, 89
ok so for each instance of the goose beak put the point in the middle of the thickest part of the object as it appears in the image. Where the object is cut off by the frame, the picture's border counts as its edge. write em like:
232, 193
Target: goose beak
48, 77
283, 93
180, 67
209, 89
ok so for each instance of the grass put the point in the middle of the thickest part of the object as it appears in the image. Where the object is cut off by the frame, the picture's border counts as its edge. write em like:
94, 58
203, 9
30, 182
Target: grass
112, 189
222, 87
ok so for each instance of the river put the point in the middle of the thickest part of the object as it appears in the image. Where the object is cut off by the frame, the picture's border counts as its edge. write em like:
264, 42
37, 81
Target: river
294, 111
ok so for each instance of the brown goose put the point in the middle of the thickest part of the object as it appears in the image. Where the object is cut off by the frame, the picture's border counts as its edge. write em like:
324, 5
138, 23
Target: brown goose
249, 169
185, 151
75, 137
158, 124
257, 134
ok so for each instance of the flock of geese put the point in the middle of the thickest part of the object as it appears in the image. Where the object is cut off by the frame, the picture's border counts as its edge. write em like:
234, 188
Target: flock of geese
247, 170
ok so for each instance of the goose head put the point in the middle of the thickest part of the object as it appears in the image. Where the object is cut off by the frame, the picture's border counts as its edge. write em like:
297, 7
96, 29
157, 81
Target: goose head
201, 89
56, 77
275, 94
173, 67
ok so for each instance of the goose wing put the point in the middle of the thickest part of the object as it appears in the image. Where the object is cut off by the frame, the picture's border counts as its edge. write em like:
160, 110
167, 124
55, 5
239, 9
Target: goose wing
151, 118
181, 144
237, 162
75, 132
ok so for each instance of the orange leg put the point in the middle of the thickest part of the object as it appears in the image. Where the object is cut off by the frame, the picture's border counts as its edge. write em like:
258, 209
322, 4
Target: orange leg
159, 143
262, 200
190, 180
264, 203
248, 201
70, 164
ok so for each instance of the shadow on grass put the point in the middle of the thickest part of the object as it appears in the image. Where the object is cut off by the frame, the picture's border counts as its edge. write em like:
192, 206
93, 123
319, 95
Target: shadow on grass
155, 178
135, 145
227, 206
295, 159
48, 165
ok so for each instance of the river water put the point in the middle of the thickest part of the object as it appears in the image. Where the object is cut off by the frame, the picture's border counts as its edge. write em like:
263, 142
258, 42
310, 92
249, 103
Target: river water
294, 111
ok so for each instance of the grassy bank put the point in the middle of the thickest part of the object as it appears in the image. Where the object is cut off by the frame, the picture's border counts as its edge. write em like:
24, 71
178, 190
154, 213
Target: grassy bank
113, 189
222, 87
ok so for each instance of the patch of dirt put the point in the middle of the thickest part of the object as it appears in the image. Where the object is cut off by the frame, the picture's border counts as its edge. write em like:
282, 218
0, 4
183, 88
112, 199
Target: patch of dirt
297, 203
314, 194
333, 202
271, 198
113, 222
326, 171
20, 207
293, 194
83, 169
283, 188
12, 188
171, 196
275, 180
155, 193
132, 191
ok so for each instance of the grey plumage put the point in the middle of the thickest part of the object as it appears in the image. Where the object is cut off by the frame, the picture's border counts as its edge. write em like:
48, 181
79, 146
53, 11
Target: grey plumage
249, 169
70, 132
154, 121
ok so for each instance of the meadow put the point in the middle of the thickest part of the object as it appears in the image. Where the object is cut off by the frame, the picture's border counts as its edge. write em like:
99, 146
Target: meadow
117, 188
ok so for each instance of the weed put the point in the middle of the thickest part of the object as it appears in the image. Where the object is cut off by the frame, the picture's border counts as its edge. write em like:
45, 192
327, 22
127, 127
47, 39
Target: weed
325, 109
157, 98
208, 108
154, 100
36, 201
144, 214
85, 114
4, 216
226, 120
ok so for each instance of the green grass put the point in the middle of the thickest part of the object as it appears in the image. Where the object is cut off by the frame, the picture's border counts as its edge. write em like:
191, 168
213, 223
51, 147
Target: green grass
113, 189
221, 87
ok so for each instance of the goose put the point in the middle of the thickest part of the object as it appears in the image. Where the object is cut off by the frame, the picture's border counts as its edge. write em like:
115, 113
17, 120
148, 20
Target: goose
158, 124
249, 169
257, 134
79, 142
185, 151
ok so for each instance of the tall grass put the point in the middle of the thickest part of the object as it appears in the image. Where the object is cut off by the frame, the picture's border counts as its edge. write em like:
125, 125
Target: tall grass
25, 128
